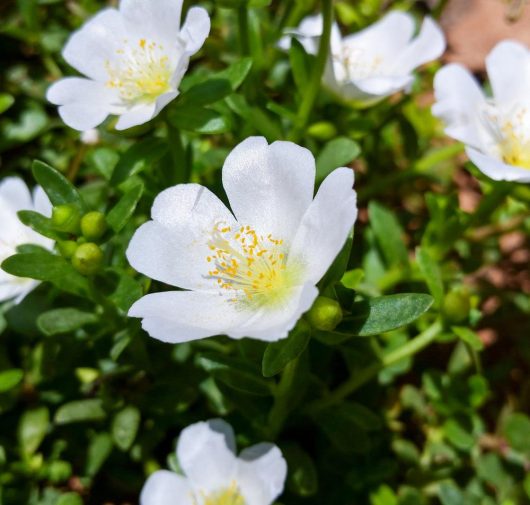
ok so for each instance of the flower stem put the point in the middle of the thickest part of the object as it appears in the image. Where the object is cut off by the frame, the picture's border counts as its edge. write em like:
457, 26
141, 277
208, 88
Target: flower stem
356, 381
244, 37
308, 101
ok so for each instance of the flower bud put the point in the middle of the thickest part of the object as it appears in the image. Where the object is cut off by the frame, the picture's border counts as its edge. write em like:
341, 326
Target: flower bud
457, 304
93, 225
325, 314
66, 218
67, 248
323, 130
88, 258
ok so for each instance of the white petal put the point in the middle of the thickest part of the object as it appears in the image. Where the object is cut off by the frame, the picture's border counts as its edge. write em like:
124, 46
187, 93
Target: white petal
307, 34
96, 43
174, 248
458, 101
181, 316
262, 473
269, 187
326, 225
15, 193
508, 66
195, 29
427, 46
496, 169
383, 86
140, 114
156, 20
41, 202
166, 488
205, 453
165, 99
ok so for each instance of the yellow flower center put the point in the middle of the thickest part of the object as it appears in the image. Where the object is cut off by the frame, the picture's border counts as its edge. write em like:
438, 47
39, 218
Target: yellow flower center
229, 496
252, 267
515, 149
142, 72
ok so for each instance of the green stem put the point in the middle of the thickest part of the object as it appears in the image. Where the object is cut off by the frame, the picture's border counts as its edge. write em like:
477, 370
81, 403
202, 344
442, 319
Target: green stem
244, 37
308, 101
490, 203
178, 154
282, 399
356, 381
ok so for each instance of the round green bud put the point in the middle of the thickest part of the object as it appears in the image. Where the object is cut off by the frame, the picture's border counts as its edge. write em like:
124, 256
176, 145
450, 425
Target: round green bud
66, 218
67, 248
457, 304
93, 225
323, 130
325, 314
88, 258
59, 471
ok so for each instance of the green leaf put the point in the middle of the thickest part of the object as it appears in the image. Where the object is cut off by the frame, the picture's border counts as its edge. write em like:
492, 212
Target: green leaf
236, 73
199, 120
10, 378
205, 93
516, 429
56, 186
389, 234
337, 153
352, 278
104, 160
469, 337
278, 354
432, 274
303, 477
69, 499
385, 313
47, 267
299, 65
236, 373
139, 157
57, 321
125, 427
6, 101
450, 495
80, 410
39, 223
98, 451
120, 214
32, 429
457, 435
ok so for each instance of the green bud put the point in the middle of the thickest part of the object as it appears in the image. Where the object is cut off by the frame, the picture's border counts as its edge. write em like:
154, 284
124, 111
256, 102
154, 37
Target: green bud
93, 225
325, 314
66, 218
59, 471
67, 248
457, 304
88, 258
323, 130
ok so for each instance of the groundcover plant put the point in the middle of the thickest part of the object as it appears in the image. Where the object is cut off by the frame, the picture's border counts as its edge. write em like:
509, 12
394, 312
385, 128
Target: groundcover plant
245, 259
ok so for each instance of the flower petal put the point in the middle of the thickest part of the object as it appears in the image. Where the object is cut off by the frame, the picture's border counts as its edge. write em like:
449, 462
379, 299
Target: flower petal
181, 316
383, 86
269, 186
41, 202
156, 20
458, 102
136, 116
96, 43
174, 247
427, 46
508, 66
15, 193
195, 29
261, 474
166, 488
205, 453
496, 169
326, 225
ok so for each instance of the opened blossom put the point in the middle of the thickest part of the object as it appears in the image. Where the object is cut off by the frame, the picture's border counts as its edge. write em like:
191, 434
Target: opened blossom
133, 59
496, 128
15, 196
214, 475
251, 272
367, 66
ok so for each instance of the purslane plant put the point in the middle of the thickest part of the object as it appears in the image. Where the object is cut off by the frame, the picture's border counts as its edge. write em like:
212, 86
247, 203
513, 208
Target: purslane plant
214, 475
133, 58
252, 273
367, 66
14, 197
496, 129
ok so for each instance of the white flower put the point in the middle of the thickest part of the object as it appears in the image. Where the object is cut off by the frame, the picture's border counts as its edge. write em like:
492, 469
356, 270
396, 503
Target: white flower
15, 196
89, 137
376, 62
133, 58
253, 273
214, 475
496, 130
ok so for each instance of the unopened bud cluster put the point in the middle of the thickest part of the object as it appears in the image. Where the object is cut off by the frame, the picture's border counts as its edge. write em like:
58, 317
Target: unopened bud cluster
84, 231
